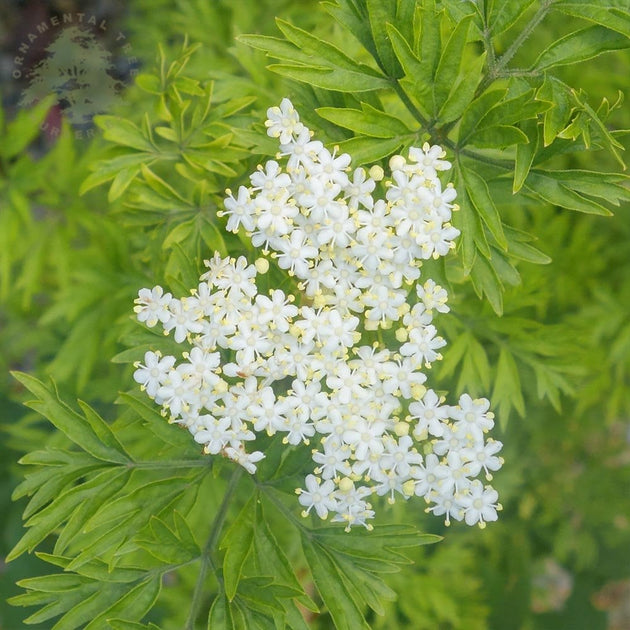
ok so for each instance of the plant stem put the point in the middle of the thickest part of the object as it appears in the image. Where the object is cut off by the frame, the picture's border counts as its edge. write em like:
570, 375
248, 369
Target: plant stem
206, 554
413, 110
506, 57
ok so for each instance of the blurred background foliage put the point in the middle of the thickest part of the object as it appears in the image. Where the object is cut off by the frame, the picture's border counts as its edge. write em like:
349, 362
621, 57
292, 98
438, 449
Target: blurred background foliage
78, 240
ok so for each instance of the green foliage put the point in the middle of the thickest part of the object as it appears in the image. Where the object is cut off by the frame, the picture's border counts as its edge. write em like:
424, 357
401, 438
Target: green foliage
132, 526
448, 84
122, 522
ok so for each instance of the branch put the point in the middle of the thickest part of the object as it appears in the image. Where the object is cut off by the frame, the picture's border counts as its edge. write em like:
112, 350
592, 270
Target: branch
206, 557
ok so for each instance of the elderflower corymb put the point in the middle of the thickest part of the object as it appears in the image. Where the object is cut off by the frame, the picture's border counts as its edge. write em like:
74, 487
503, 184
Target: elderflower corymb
362, 406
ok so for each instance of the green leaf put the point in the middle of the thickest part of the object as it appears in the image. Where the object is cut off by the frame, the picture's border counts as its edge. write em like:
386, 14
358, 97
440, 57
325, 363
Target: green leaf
462, 91
486, 282
505, 13
25, 128
580, 46
133, 605
411, 64
608, 138
162, 188
525, 153
332, 79
237, 542
167, 545
92, 434
449, 65
123, 131
497, 137
430, 40
381, 13
368, 121
334, 592
220, 615
317, 49
271, 559
613, 15
368, 150
519, 247
47, 520
507, 392
556, 118
479, 194
612, 187
157, 424
477, 111
543, 185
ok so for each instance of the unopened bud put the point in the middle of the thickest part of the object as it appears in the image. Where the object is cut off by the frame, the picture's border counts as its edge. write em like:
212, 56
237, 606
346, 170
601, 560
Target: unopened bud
376, 172
262, 265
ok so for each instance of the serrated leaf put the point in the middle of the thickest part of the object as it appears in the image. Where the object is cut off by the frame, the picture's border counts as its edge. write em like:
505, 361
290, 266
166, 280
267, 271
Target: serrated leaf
523, 250
477, 111
612, 187
610, 140
613, 15
220, 615
76, 427
167, 545
156, 423
25, 128
479, 194
380, 13
332, 79
122, 181
47, 520
344, 611
369, 122
430, 39
450, 63
497, 137
462, 91
124, 132
557, 117
507, 392
161, 187
505, 13
580, 46
486, 282
553, 191
369, 150
133, 605
525, 153
410, 62
270, 558
237, 542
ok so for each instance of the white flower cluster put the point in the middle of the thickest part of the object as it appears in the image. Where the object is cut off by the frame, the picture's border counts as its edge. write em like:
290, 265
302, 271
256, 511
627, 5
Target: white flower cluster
262, 363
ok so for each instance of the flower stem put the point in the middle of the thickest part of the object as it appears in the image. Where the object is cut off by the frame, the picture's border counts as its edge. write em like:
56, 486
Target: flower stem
206, 554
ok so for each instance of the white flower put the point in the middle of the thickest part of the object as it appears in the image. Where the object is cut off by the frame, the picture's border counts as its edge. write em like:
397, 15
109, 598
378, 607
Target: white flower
356, 260
276, 311
152, 306
433, 296
283, 122
240, 211
430, 415
429, 159
359, 190
480, 504
296, 254
246, 460
318, 495
154, 371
